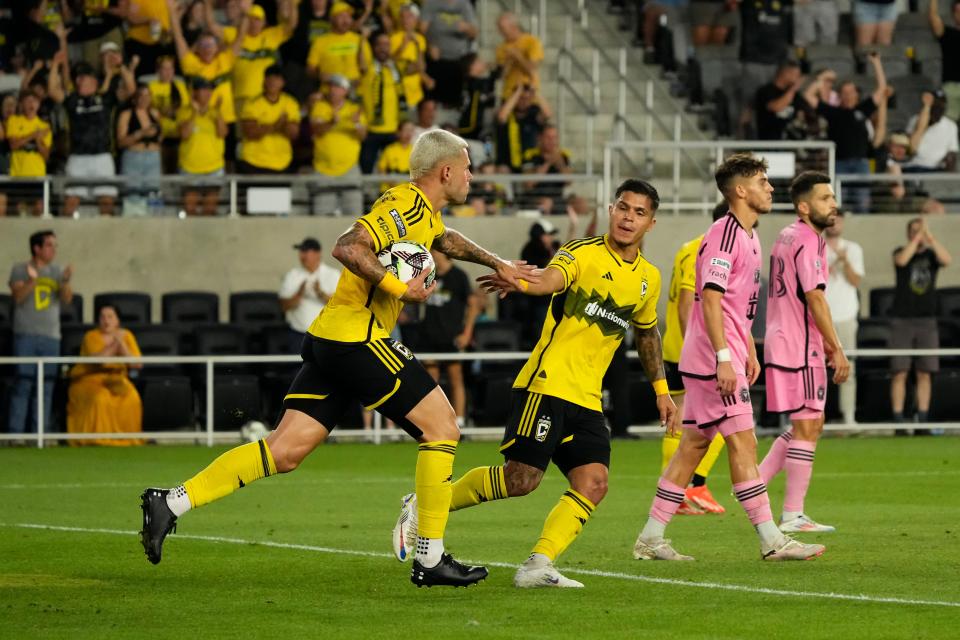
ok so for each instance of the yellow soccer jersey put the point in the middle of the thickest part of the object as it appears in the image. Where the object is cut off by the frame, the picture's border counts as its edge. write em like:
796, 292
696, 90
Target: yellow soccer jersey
257, 53
337, 53
218, 72
358, 310
684, 276
272, 151
588, 319
28, 162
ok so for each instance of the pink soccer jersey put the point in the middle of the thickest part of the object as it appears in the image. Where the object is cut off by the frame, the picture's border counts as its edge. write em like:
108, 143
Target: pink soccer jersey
729, 261
798, 264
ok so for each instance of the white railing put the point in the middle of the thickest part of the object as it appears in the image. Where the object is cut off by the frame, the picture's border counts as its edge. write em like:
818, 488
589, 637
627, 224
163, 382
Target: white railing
210, 435
718, 148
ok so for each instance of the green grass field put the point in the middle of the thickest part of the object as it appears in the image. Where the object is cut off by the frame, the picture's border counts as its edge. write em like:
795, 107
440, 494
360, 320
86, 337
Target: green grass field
307, 554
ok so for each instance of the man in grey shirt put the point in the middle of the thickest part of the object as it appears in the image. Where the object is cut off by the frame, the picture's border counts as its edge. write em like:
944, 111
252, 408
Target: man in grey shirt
38, 287
450, 27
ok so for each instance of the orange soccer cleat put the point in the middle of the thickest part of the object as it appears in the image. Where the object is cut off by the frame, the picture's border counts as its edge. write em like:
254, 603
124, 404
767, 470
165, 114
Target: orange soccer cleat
702, 497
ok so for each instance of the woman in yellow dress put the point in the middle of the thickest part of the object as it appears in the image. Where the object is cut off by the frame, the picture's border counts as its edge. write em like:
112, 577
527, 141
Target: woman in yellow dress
102, 398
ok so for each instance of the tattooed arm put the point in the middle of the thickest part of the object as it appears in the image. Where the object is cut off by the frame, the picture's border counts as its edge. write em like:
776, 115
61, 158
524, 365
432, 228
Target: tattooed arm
459, 247
354, 249
650, 350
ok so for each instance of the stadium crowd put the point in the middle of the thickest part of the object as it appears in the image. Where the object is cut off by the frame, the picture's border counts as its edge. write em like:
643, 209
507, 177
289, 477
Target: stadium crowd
144, 88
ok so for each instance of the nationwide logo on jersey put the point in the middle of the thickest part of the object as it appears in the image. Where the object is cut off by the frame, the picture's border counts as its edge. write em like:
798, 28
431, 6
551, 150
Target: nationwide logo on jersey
610, 318
543, 428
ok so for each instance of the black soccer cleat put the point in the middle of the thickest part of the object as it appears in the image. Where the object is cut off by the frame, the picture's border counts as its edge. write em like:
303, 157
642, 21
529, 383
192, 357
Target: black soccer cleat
158, 521
448, 572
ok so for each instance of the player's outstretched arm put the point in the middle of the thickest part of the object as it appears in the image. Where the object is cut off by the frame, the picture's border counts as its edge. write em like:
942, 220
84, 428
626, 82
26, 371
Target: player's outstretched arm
546, 282
354, 250
458, 246
817, 303
650, 350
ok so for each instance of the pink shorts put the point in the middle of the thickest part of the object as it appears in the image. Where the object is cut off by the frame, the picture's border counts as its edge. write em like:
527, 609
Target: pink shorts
802, 393
710, 413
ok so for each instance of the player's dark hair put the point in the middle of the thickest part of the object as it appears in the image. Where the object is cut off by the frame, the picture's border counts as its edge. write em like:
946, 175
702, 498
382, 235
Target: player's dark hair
804, 183
642, 187
739, 165
721, 209
37, 239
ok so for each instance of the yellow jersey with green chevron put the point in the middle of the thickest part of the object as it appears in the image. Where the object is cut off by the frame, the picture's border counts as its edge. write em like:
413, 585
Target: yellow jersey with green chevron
684, 276
587, 320
358, 311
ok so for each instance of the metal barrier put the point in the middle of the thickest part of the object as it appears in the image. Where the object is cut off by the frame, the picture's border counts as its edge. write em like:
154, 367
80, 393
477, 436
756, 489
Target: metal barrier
210, 436
718, 149
941, 185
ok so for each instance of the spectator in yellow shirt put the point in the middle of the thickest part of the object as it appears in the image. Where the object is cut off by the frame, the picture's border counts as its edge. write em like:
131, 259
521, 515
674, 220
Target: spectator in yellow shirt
408, 48
269, 123
396, 157
148, 31
519, 55
203, 130
341, 51
30, 139
338, 126
381, 93
208, 62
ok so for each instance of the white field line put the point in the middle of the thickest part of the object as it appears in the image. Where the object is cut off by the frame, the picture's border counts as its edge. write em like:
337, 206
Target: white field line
587, 572
400, 479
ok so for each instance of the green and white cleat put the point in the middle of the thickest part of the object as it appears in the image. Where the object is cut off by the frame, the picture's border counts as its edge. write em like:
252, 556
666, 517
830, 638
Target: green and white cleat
658, 549
803, 524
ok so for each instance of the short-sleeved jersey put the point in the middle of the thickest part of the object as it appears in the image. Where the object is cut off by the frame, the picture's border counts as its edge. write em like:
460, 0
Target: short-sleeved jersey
798, 264
602, 296
358, 310
728, 261
338, 150
27, 161
395, 158
406, 51
337, 53
684, 277
202, 150
217, 71
272, 151
381, 88
256, 54
531, 48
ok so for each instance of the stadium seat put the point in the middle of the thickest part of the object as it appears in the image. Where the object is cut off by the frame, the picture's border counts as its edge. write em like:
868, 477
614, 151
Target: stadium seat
220, 340
873, 333
275, 378
948, 330
255, 308
944, 399
236, 399
881, 301
930, 56
190, 307
72, 313
496, 336
132, 306
71, 338
492, 399
157, 340
838, 57
167, 403
6, 310
873, 395
912, 28
895, 63
643, 400
949, 302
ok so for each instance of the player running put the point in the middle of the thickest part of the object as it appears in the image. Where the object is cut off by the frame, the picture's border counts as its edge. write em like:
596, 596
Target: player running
600, 286
800, 340
348, 356
697, 497
719, 363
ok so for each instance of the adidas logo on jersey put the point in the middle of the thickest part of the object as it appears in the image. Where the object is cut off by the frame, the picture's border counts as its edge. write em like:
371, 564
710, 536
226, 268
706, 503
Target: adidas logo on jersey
608, 276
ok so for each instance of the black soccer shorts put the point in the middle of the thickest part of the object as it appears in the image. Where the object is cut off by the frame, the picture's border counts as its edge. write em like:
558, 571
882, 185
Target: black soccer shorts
674, 379
542, 428
382, 374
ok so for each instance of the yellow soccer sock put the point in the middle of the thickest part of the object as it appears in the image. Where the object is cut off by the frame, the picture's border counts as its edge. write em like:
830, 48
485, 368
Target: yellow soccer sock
710, 457
668, 447
434, 488
233, 470
478, 485
564, 523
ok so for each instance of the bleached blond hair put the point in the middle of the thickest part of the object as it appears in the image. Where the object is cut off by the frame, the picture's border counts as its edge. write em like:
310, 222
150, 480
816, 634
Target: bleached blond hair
432, 148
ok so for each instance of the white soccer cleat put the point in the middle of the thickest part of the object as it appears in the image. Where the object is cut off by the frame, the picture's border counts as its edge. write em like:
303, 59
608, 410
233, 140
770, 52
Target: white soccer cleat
658, 549
791, 549
803, 524
531, 575
405, 531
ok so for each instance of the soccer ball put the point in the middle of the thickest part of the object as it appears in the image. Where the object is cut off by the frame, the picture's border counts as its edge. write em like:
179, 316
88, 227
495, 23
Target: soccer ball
407, 260
254, 430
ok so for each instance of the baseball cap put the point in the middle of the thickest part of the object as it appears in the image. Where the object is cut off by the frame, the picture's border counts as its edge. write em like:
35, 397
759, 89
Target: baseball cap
201, 83
109, 46
83, 69
340, 7
339, 80
308, 244
543, 226
256, 11
900, 139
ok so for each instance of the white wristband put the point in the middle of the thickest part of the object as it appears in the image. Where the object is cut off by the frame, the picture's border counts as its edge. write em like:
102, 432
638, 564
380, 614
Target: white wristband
723, 355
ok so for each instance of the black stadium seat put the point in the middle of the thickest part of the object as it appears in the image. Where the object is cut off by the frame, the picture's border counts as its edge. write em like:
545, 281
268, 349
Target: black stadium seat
255, 308
236, 399
72, 313
190, 307
881, 301
6, 310
167, 403
157, 340
71, 338
873, 333
949, 302
132, 306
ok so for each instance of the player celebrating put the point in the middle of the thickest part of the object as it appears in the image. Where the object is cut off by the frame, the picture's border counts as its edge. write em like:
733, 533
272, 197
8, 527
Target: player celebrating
800, 336
348, 356
697, 497
719, 363
599, 287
